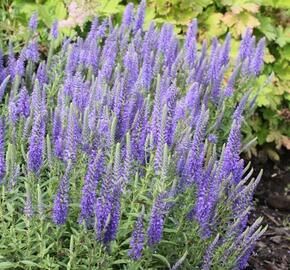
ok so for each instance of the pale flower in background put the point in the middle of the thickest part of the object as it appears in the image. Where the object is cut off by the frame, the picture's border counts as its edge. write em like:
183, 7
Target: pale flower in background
77, 14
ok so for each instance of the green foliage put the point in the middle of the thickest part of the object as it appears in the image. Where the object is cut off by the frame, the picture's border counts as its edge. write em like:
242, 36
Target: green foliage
39, 244
268, 123
15, 14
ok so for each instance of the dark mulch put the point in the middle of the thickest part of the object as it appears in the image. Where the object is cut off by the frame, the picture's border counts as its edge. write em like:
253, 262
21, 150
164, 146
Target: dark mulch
272, 199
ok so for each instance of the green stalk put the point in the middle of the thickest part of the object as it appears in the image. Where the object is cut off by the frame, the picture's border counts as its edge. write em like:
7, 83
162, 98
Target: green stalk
28, 75
50, 53
16, 85
71, 253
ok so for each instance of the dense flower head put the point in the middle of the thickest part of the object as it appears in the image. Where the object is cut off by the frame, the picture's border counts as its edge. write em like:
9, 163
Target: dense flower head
128, 117
138, 238
54, 30
33, 21
35, 152
89, 189
140, 15
128, 15
13, 112
28, 209
1, 59
156, 224
42, 74
257, 61
19, 68
2, 150
23, 103
61, 201
31, 52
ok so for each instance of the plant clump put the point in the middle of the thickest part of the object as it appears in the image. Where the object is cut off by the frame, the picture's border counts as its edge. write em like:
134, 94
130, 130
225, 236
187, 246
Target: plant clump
114, 151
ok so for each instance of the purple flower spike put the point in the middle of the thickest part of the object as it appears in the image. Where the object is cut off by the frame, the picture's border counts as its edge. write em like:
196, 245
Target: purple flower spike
60, 206
2, 150
232, 152
156, 224
35, 152
71, 143
212, 138
191, 33
128, 15
224, 58
108, 213
28, 209
137, 241
131, 65
31, 52
231, 82
89, 189
19, 67
139, 20
245, 47
257, 62
112, 228
33, 22
3, 87
209, 254
13, 112
23, 103
54, 30
42, 74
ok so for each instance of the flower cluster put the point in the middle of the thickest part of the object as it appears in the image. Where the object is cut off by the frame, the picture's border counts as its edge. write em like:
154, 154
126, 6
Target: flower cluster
145, 111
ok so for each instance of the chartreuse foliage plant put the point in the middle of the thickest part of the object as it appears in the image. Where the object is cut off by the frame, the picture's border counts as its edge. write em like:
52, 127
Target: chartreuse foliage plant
115, 153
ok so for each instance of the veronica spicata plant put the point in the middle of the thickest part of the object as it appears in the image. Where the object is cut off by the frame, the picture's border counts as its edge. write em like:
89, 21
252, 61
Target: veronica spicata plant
112, 152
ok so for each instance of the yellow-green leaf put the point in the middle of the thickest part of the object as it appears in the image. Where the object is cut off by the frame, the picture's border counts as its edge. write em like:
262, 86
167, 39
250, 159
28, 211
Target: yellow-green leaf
251, 7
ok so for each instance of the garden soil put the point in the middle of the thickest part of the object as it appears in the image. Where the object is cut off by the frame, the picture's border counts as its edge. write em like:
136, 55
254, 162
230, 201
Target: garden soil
272, 202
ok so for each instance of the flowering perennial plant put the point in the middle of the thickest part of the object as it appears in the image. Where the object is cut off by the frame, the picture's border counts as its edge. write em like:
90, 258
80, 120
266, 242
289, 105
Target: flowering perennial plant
120, 136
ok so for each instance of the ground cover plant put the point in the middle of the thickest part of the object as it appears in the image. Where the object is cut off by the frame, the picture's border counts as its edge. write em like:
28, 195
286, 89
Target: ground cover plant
115, 151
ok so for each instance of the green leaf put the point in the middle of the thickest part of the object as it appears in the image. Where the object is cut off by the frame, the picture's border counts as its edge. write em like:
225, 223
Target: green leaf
126, 242
150, 14
162, 259
285, 52
283, 36
235, 48
267, 27
162, 7
277, 3
7, 265
24, 7
60, 11
170, 230
215, 26
29, 263
121, 261
109, 7
169, 242
282, 68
